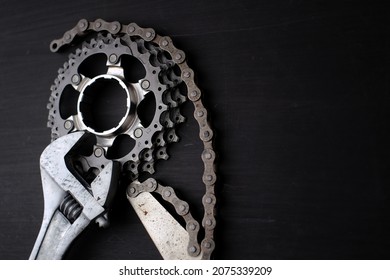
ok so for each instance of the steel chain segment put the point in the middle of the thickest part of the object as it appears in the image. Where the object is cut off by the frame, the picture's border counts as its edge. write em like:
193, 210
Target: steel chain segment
200, 113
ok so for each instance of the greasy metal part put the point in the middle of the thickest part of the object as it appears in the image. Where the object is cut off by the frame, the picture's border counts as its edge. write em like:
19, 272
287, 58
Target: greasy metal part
70, 205
155, 47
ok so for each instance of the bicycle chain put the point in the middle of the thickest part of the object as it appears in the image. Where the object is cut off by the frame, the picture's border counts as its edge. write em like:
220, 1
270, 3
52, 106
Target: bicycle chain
206, 134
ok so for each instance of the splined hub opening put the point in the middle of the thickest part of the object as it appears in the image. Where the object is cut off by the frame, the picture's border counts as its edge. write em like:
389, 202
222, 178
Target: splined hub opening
104, 104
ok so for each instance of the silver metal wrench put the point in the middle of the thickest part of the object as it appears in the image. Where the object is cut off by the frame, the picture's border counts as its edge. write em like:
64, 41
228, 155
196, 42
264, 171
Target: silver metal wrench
70, 202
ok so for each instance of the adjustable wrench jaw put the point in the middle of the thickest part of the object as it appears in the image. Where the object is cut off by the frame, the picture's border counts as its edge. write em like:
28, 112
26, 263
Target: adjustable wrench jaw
70, 203
173, 241
169, 237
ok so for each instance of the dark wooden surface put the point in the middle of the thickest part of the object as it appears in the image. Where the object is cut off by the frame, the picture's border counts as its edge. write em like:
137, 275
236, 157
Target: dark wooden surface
299, 95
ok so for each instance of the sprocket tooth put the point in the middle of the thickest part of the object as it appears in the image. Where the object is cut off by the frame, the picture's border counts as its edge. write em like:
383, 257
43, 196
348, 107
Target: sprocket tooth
154, 61
178, 96
60, 71
100, 37
150, 47
166, 121
173, 77
133, 176
148, 167
78, 52
85, 50
140, 46
160, 141
131, 166
165, 80
86, 45
167, 99
72, 62
56, 82
176, 116
171, 136
147, 155
161, 153
164, 66
54, 94
163, 59
92, 43
66, 65
110, 38
54, 136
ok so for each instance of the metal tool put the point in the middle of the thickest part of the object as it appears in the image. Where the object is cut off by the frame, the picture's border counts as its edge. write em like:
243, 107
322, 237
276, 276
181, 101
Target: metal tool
70, 202
166, 82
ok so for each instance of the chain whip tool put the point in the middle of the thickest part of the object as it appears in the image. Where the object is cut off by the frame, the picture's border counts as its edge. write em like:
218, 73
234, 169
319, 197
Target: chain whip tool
70, 205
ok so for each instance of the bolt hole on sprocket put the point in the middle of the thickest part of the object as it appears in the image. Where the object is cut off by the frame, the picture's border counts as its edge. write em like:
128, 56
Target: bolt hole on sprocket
126, 84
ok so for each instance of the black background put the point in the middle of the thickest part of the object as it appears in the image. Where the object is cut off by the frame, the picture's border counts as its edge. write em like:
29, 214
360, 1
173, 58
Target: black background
299, 97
